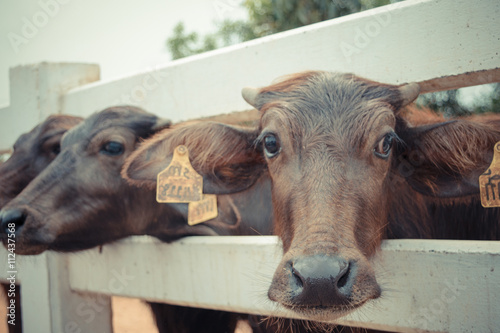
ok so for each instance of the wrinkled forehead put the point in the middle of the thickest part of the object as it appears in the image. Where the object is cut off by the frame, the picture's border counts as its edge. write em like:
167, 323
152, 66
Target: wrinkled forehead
333, 105
76, 134
56, 125
88, 128
127, 119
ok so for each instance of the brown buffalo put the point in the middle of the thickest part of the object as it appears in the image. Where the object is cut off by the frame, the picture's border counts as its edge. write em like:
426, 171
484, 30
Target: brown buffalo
32, 153
81, 201
344, 164
348, 169
155, 154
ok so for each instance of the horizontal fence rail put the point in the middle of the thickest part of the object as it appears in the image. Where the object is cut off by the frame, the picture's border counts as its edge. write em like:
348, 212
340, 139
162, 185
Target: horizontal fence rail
434, 285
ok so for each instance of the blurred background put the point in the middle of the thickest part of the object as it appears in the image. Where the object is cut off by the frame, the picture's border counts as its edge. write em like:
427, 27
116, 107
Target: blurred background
128, 36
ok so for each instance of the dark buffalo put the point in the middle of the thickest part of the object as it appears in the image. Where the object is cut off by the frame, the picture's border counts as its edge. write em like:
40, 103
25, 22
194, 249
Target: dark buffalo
81, 201
32, 153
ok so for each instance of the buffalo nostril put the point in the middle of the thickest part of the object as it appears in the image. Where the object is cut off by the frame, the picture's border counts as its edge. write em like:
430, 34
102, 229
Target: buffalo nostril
321, 280
12, 220
343, 277
299, 280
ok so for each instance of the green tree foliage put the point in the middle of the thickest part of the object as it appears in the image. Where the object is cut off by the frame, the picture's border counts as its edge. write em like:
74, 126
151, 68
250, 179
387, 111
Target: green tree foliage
266, 17
491, 103
445, 102
182, 43
448, 102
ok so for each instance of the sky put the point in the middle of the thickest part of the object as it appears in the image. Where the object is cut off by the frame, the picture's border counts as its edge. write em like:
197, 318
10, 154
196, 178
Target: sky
122, 36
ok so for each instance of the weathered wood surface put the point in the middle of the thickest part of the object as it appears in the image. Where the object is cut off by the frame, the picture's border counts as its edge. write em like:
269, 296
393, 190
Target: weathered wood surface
48, 303
441, 286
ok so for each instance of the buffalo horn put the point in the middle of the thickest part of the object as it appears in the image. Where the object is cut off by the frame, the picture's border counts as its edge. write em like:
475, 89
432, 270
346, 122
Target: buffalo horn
409, 92
250, 95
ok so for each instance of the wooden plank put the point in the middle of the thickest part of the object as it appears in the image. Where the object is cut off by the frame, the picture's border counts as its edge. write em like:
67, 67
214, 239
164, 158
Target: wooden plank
71, 311
48, 304
441, 286
442, 43
35, 292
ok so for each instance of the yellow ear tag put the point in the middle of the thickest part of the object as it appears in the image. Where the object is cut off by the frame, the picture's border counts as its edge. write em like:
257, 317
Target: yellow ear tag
489, 182
179, 182
203, 210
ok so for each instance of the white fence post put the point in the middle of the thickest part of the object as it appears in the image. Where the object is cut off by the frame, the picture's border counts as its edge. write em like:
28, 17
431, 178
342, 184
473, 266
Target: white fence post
48, 304
68, 311
36, 91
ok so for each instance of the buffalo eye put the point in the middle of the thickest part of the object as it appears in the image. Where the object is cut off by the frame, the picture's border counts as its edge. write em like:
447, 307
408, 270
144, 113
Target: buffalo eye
384, 146
56, 149
271, 145
112, 148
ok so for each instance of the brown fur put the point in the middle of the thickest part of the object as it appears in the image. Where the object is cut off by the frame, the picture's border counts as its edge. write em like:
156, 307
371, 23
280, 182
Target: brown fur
333, 196
155, 154
287, 83
239, 118
418, 116
152, 155
322, 210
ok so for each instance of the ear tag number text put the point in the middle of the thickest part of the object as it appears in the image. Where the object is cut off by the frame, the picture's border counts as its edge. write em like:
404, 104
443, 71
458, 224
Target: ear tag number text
179, 182
203, 210
489, 182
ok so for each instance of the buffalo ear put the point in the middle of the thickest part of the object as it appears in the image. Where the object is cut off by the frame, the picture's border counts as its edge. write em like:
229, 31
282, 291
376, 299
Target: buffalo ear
224, 155
446, 159
161, 124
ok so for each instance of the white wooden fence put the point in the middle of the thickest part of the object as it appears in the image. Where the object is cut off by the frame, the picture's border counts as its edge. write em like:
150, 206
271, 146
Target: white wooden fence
439, 286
